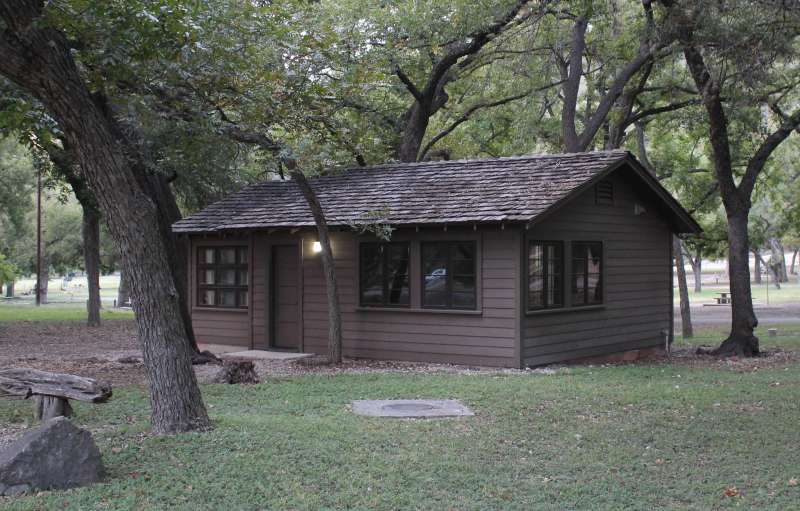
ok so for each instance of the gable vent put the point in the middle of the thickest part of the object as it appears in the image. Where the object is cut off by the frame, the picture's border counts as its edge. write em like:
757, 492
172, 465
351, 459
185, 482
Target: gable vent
604, 193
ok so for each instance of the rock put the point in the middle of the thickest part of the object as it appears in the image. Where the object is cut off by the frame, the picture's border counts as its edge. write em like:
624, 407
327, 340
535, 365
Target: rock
17, 489
56, 455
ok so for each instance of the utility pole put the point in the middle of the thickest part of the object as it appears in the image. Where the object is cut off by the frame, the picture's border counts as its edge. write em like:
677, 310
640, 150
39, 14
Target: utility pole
39, 236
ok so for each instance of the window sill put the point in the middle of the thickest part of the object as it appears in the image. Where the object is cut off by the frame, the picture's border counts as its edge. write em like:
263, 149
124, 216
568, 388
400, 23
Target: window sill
219, 309
560, 310
461, 312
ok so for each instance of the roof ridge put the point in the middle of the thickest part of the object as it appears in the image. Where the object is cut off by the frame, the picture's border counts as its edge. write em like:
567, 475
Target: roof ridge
521, 157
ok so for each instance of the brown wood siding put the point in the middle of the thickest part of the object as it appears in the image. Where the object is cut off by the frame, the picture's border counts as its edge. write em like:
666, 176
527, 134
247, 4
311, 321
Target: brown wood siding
217, 325
636, 276
486, 337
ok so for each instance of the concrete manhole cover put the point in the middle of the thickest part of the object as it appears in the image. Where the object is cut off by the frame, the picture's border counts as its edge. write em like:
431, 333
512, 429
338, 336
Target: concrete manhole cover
411, 408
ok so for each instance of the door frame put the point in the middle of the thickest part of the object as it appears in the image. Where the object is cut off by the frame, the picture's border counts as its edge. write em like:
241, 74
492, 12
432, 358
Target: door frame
273, 294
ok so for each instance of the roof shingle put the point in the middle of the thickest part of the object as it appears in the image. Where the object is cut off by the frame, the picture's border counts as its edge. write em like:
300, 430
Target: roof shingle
441, 192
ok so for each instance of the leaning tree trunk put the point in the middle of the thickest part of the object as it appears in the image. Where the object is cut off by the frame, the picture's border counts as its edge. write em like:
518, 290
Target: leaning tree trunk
328, 267
757, 266
91, 258
38, 58
741, 341
683, 291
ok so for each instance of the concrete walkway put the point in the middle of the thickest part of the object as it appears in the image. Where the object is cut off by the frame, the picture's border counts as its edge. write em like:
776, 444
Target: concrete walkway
224, 351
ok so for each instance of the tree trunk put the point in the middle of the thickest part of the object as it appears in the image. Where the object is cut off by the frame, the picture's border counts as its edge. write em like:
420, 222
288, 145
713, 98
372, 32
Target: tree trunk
91, 258
779, 259
413, 133
792, 269
42, 281
328, 267
124, 290
683, 291
772, 270
741, 341
757, 266
696, 262
10, 288
38, 58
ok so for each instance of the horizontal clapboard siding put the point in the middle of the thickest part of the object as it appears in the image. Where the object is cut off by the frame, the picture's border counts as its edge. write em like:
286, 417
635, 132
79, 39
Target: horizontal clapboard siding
219, 326
487, 338
637, 279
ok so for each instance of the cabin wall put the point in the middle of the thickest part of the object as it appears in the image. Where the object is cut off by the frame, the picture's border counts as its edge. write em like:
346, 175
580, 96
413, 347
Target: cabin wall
230, 327
637, 280
486, 336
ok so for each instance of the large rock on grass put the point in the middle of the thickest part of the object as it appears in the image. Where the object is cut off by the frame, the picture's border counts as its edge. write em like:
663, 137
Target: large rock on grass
55, 455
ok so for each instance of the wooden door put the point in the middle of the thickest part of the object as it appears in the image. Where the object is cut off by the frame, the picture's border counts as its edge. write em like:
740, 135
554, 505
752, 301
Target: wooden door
286, 297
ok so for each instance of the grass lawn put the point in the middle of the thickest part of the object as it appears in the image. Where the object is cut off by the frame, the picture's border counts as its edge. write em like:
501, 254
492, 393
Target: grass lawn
788, 337
13, 310
623, 437
788, 293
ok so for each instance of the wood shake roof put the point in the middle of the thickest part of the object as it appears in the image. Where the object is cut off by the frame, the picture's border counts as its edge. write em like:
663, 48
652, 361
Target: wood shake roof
516, 189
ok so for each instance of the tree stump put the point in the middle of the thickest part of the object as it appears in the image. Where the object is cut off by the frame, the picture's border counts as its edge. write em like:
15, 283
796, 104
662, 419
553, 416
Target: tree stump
237, 371
50, 407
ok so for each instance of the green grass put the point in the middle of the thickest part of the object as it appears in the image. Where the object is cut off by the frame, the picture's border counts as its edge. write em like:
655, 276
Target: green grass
625, 437
788, 293
787, 338
11, 310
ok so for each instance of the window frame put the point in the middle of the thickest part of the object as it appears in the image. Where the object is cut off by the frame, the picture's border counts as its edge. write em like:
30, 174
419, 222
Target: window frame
237, 267
544, 244
601, 274
450, 275
384, 263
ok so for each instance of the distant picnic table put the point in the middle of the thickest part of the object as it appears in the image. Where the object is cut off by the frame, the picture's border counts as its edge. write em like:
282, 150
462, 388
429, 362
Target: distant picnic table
724, 298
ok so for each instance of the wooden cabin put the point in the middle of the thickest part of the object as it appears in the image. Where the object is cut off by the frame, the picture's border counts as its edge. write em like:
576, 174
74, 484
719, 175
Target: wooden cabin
508, 262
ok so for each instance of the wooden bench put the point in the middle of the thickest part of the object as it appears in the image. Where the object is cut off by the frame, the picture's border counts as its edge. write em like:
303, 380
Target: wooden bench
51, 392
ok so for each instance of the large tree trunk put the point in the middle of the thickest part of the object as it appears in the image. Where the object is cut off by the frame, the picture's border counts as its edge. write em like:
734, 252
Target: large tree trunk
38, 58
792, 269
10, 289
742, 341
328, 267
124, 290
778, 259
91, 259
415, 126
683, 291
757, 265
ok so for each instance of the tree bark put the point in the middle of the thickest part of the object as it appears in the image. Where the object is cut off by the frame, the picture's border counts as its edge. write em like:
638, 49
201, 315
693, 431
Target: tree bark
38, 58
328, 267
792, 268
757, 265
741, 341
124, 290
91, 259
10, 287
779, 259
771, 269
683, 290
43, 279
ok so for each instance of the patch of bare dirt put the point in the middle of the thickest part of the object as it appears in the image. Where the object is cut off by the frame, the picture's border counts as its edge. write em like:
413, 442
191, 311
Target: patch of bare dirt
769, 359
74, 348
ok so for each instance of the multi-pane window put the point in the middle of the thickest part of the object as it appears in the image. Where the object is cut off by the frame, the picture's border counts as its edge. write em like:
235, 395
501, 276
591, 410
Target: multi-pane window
384, 275
587, 270
449, 275
222, 277
545, 275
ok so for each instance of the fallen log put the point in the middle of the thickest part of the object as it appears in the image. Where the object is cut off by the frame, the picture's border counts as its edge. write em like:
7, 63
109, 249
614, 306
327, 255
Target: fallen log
51, 392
